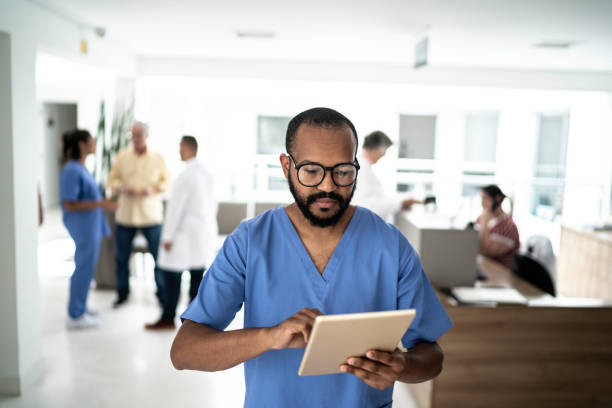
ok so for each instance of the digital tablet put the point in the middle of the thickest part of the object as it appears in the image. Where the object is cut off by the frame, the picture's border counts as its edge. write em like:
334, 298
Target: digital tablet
334, 338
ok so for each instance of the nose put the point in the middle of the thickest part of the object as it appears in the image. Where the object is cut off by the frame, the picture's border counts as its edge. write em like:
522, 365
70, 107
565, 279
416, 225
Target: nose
327, 184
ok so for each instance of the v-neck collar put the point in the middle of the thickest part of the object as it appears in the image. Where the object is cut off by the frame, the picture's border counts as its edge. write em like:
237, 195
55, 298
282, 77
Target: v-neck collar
322, 280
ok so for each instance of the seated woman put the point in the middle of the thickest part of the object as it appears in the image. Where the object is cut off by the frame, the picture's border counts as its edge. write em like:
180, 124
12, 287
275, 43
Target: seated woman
498, 236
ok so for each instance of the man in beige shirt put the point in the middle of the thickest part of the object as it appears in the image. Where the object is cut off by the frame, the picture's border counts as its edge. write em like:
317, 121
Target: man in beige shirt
138, 177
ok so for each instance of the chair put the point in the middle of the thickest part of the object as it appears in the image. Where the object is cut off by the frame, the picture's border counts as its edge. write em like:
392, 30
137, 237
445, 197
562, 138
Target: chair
263, 207
140, 248
540, 248
531, 270
230, 215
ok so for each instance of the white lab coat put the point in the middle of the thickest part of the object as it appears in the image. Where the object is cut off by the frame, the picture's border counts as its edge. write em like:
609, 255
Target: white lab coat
190, 222
371, 194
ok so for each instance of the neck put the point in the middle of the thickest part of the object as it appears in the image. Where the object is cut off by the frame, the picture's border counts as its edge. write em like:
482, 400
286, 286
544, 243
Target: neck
141, 151
368, 156
305, 228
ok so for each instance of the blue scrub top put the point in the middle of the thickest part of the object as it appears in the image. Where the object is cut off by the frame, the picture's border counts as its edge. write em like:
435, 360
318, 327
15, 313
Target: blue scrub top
77, 184
264, 265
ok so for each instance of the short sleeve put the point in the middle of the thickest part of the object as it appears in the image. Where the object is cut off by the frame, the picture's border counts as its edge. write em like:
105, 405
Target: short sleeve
415, 292
70, 184
221, 292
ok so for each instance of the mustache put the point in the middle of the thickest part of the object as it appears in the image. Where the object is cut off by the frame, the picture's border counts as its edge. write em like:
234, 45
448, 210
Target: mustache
332, 196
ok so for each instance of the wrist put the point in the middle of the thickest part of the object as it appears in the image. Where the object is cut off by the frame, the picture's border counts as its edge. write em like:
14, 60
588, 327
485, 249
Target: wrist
265, 338
408, 364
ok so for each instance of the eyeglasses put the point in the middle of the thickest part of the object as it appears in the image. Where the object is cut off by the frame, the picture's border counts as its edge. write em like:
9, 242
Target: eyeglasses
313, 174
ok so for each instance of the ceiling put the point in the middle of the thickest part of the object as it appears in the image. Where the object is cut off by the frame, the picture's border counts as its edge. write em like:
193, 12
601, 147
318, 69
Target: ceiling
462, 33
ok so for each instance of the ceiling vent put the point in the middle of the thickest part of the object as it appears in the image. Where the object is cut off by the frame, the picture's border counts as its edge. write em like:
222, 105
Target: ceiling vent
557, 45
265, 35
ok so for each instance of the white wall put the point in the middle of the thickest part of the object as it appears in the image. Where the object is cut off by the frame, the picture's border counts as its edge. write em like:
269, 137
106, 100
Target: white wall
379, 73
222, 112
70, 81
31, 29
9, 359
20, 239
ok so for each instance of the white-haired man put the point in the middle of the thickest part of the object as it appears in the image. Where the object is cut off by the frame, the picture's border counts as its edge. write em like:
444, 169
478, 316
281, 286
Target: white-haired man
138, 176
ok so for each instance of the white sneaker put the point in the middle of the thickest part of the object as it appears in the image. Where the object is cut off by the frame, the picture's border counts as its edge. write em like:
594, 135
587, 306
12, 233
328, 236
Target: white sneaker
92, 312
86, 321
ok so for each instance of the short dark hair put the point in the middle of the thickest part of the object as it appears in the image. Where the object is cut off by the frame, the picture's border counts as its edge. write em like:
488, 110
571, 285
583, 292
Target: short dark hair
376, 140
191, 142
70, 143
324, 117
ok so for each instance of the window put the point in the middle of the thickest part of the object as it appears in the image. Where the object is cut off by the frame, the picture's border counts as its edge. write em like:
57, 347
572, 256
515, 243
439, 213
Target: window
552, 146
417, 137
549, 169
480, 144
271, 134
268, 179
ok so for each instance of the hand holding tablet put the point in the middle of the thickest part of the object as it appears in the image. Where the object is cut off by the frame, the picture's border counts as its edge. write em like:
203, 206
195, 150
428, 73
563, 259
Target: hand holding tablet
336, 338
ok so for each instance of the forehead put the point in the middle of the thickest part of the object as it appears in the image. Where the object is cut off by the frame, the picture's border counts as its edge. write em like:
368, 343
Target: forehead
139, 131
326, 145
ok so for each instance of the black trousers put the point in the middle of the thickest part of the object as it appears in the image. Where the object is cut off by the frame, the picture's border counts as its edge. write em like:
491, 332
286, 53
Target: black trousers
173, 289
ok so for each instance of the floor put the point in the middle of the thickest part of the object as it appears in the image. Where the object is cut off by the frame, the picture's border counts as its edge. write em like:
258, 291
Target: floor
118, 364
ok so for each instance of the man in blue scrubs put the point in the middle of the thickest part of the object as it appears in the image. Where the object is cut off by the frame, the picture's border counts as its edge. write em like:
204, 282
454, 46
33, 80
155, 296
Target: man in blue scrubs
319, 255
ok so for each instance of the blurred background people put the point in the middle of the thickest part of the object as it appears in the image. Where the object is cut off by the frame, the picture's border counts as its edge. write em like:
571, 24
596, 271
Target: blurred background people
138, 176
498, 237
189, 231
83, 215
370, 192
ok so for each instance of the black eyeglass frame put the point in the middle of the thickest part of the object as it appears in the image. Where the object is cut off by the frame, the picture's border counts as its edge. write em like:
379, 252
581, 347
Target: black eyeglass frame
297, 168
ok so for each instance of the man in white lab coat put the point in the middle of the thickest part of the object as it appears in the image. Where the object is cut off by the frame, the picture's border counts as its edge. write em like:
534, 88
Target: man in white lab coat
370, 192
189, 231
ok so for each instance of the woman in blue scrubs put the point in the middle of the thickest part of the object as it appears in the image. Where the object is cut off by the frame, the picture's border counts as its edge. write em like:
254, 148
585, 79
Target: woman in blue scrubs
83, 210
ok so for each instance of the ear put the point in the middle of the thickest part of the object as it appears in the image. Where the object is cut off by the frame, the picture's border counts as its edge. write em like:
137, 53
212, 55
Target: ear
285, 162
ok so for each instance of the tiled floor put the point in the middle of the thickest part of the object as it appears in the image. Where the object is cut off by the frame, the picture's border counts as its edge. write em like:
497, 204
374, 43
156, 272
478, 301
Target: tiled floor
119, 364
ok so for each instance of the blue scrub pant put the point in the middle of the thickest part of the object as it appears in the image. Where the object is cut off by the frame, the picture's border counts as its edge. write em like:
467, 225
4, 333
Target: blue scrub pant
85, 260
124, 236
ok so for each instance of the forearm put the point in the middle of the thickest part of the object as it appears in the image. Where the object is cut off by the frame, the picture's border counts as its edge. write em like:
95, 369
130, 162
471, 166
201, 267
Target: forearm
488, 246
424, 362
81, 205
200, 347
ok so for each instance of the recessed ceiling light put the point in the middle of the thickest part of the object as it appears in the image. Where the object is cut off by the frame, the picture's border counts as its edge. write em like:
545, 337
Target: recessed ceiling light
558, 45
258, 34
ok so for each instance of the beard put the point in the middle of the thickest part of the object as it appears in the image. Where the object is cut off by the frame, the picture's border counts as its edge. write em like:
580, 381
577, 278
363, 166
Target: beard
304, 204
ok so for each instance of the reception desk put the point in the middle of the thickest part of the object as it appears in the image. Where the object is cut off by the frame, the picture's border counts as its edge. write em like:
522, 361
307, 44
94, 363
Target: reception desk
584, 264
447, 251
558, 355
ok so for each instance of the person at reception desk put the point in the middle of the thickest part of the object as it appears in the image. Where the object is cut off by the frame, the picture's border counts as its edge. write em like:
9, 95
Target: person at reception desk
370, 192
498, 237
318, 255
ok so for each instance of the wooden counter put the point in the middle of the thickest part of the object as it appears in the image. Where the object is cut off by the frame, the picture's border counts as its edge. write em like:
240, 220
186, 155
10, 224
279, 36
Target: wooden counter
584, 264
520, 356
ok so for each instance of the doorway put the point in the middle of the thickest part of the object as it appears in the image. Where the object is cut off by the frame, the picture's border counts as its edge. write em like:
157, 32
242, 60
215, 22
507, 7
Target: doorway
57, 119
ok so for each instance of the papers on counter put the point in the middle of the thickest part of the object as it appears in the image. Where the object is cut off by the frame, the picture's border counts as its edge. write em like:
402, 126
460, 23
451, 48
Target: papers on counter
561, 301
488, 296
